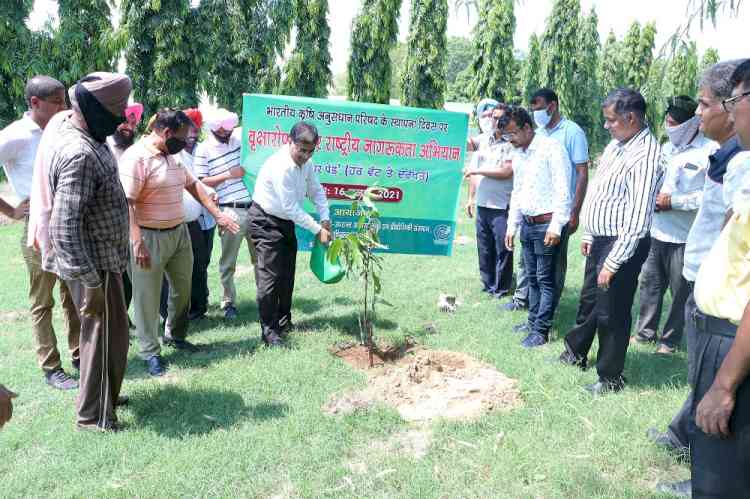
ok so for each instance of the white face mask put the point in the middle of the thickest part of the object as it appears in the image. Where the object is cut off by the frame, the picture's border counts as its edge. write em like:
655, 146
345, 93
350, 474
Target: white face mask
542, 118
487, 124
682, 134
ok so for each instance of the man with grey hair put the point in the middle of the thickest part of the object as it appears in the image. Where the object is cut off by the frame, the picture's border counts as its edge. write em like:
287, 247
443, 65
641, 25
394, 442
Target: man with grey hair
284, 180
88, 236
617, 218
19, 143
726, 176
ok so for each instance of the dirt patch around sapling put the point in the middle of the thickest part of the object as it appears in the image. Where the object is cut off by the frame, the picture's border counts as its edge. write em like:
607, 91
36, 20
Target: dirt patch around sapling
426, 385
358, 356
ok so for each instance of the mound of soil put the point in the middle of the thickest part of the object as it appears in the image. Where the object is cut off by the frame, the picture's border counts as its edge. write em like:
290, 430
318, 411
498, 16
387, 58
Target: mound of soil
433, 384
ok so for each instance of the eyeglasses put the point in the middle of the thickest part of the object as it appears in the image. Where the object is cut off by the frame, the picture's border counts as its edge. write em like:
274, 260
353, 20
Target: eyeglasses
730, 103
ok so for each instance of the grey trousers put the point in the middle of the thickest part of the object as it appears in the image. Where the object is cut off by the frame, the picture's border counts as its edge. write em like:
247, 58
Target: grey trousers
662, 271
230, 249
171, 254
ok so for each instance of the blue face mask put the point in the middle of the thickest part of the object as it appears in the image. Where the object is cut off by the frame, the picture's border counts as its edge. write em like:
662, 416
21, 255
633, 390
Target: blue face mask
542, 118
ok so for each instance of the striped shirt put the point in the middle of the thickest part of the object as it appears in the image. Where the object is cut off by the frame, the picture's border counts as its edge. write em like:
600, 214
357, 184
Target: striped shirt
154, 181
622, 201
215, 158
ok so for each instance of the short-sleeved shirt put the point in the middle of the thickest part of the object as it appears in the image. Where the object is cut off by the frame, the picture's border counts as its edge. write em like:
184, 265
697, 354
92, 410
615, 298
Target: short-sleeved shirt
491, 192
19, 142
215, 158
573, 139
154, 181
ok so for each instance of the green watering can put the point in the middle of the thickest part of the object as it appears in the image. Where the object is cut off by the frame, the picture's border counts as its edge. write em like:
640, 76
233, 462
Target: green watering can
324, 270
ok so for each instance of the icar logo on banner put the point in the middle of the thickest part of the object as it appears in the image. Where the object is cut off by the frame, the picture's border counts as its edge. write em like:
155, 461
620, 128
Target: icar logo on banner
417, 155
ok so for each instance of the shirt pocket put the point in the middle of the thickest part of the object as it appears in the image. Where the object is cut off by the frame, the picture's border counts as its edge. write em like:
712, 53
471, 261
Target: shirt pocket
690, 178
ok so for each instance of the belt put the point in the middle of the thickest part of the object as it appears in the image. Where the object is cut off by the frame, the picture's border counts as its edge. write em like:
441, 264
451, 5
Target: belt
713, 325
243, 205
544, 218
161, 230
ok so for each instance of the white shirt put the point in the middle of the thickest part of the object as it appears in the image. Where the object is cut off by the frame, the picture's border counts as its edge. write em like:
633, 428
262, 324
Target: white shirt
19, 142
541, 183
214, 158
684, 177
491, 192
282, 186
191, 207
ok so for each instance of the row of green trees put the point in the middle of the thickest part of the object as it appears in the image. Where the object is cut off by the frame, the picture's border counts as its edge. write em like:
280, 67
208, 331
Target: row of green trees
175, 50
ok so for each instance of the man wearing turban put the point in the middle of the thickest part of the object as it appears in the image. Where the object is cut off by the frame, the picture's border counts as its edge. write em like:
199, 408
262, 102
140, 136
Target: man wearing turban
88, 239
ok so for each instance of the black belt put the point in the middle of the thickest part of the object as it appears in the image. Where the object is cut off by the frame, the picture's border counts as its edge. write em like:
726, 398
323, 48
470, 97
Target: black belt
161, 230
713, 325
242, 205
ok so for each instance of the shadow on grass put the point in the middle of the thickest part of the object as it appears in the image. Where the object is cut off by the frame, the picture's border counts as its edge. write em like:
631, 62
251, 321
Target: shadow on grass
348, 324
174, 412
209, 353
646, 370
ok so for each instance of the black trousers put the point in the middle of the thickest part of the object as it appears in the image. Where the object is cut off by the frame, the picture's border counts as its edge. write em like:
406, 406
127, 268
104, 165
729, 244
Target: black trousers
203, 244
679, 427
495, 261
662, 271
606, 313
719, 466
276, 249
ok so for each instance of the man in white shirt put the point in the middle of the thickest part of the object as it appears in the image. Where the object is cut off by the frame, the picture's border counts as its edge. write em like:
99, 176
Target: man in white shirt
676, 206
19, 143
284, 180
217, 164
491, 182
540, 207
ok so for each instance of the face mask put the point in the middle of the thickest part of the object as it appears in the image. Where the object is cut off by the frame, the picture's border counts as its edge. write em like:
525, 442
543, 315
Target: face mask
100, 122
175, 145
542, 118
682, 134
487, 124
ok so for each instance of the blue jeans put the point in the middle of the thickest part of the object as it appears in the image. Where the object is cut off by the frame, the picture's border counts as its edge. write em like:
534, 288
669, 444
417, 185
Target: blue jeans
495, 261
540, 262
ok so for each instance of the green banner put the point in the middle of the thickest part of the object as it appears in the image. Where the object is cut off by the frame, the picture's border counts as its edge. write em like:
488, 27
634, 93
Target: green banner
416, 154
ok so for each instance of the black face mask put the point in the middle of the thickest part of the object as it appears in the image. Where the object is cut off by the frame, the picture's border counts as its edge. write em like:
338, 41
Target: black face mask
100, 122
222, 139
175, 145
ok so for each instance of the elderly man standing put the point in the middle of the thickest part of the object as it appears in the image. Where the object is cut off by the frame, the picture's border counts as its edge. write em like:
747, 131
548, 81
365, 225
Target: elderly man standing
88, 231
617, 218
154, 180
19, 143
540, 206
676, 206
217, 164
124, 136
284, 180
491, 182
726, 176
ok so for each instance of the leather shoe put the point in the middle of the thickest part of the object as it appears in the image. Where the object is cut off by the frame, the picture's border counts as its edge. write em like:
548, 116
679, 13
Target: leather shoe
663, 440
534, 340
286, 328
122, 400
637, 340
156, 366
230, 313
196, 316
183, 345
663, 349
272, 339
59, 379
512, 306
570, 359
110, 427
604, 386
676, 489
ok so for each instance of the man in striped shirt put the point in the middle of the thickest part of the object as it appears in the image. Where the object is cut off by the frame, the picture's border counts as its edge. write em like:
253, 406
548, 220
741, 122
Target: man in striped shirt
217, 164
616, 220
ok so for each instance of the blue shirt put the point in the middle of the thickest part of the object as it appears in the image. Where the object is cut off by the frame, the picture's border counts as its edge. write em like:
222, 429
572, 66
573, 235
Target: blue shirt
573, 139
710, 218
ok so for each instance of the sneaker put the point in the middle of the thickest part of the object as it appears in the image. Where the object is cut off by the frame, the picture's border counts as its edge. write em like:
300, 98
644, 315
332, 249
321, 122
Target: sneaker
230, 312
521, 328
183, 345
534, 340
156, 366
512, 306
60, 380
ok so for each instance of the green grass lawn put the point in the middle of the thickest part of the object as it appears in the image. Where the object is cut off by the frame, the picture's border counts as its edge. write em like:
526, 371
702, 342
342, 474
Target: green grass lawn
240, 420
